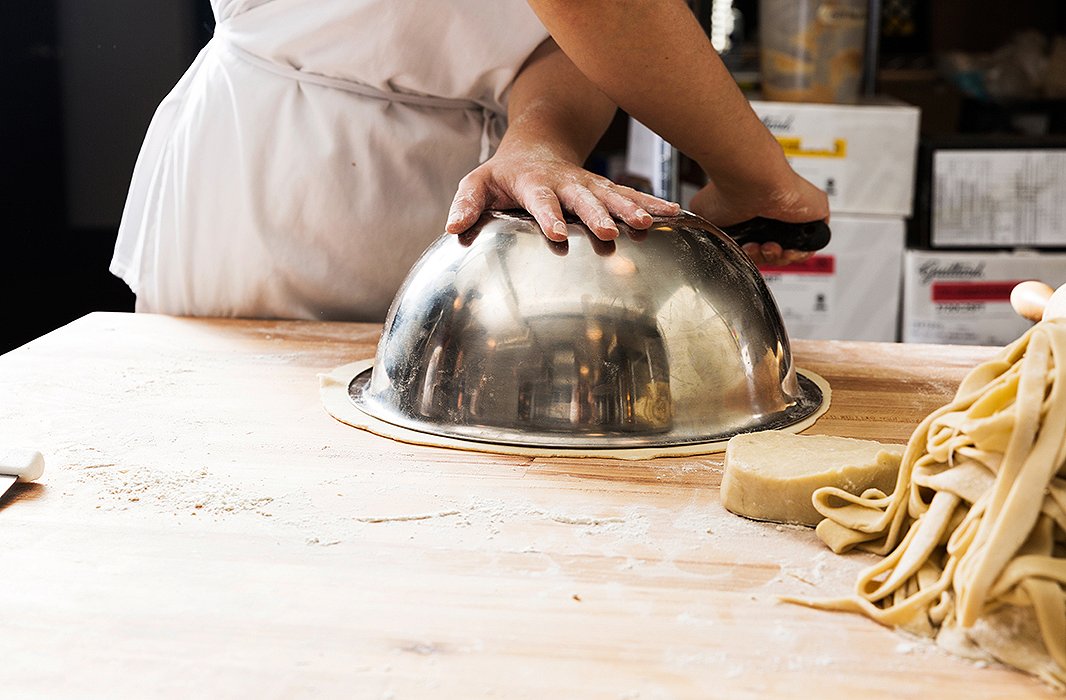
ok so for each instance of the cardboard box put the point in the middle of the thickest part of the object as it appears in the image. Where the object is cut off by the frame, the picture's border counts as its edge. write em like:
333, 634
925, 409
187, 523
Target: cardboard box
963, 298
850, 290
998, 198
990, 191
862, 155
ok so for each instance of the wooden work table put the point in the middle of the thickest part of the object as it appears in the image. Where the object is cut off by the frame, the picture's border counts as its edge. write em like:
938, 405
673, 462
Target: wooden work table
205, 529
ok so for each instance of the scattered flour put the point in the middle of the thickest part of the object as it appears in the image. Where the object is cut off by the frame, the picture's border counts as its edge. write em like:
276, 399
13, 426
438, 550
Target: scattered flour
905, 648
179, 492
407, 518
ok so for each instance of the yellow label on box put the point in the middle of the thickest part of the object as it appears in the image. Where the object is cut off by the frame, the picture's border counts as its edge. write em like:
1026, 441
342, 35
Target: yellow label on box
793, 147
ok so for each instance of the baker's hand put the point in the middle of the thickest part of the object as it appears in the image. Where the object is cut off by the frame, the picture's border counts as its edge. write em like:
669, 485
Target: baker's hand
794, 200
545, 184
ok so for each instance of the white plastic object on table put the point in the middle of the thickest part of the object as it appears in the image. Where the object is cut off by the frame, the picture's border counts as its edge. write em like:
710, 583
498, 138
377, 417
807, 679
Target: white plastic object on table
27, 465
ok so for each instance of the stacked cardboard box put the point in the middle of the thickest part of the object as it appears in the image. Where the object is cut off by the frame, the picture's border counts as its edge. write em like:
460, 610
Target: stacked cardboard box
850, 290
863, 156
985, 207
963, 298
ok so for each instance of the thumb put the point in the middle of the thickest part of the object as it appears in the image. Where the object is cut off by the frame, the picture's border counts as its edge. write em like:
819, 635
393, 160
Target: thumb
468, 203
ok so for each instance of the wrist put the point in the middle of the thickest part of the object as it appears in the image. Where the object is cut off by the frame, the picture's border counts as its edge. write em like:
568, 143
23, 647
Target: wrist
531, 146
550, 126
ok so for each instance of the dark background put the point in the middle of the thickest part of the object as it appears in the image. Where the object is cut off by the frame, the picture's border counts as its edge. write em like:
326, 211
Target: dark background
81, 79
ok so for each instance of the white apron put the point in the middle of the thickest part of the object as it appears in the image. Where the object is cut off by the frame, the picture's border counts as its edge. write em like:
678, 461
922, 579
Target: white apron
310, 153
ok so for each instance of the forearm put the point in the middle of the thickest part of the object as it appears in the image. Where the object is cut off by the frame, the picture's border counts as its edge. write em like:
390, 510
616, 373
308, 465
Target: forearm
555, 117
652, 58
554, 106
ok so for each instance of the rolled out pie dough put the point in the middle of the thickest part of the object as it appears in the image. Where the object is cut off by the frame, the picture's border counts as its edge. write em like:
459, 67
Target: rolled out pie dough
771, 475
335, 399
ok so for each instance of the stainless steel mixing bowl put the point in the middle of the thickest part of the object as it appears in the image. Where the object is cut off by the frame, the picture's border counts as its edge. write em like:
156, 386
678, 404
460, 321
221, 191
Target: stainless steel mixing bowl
662, 337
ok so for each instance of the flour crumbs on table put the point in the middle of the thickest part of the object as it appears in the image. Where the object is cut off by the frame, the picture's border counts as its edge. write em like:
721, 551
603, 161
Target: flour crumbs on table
406, 518
181, 492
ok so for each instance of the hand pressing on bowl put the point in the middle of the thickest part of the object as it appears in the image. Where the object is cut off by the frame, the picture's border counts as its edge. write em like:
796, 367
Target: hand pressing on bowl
546, 184
555, 117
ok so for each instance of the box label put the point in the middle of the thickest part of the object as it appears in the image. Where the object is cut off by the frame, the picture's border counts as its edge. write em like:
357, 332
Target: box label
794, 148
972, 292
999, 198
805, 291
814, 265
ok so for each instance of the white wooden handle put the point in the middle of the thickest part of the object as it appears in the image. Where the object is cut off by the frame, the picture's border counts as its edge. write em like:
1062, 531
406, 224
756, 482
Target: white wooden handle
1056, 305
1029, 299
27, 465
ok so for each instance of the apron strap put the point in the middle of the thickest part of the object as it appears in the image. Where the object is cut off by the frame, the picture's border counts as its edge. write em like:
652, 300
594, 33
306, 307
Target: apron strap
364, 90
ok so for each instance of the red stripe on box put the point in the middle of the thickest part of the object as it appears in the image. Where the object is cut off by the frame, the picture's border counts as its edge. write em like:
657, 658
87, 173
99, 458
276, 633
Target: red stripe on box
814, 265
963, 292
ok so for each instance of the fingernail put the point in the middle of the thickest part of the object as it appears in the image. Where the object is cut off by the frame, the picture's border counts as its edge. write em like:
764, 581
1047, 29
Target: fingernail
559, 228
641, 214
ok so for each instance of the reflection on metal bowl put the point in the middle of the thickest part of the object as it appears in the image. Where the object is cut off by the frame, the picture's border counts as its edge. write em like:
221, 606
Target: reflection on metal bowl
662, 337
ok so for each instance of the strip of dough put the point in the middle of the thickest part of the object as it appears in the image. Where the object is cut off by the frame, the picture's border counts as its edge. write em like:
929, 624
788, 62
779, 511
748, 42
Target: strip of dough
974, 532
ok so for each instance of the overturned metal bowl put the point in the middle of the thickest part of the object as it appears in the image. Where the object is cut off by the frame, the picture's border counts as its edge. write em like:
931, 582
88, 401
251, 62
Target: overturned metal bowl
662, 337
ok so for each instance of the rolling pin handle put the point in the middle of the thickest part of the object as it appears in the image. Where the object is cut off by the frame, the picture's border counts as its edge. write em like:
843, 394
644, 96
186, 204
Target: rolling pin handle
1030, 298
27, 465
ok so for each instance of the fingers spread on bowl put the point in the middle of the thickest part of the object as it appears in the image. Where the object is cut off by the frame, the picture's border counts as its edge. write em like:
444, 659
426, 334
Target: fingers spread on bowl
546, 187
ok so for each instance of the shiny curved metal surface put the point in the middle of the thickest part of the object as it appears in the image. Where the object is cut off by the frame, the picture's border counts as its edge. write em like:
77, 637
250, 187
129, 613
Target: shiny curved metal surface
662, 337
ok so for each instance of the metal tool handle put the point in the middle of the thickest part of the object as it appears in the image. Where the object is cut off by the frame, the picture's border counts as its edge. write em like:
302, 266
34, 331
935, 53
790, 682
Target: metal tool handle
811, 236
27, 465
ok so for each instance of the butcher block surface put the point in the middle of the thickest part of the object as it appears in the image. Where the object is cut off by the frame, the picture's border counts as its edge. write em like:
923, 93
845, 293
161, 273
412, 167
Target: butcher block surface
205, 529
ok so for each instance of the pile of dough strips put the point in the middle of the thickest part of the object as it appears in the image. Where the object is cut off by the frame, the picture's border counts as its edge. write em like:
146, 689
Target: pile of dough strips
975, 532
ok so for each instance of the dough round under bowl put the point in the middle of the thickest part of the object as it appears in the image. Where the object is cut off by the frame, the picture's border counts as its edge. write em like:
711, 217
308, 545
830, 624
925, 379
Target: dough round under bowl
662, 337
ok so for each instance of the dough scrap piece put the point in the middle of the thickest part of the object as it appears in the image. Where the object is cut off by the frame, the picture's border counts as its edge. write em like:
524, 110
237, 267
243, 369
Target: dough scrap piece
974, 533
771, 475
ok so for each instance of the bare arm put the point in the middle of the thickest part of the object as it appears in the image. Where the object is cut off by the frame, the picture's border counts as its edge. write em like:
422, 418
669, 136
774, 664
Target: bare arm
555, 117
652, 58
